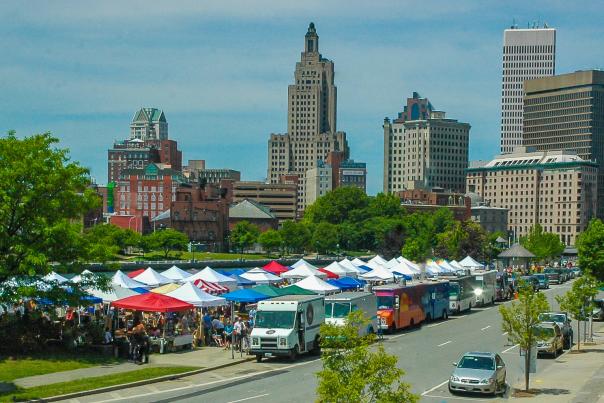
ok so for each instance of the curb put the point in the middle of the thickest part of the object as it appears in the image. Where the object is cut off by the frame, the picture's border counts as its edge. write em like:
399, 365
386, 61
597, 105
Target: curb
141, 383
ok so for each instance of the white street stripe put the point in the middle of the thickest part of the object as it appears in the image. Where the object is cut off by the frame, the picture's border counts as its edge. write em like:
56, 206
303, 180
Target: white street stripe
436, 387
485, 328
435, 324
248, 398
503, 334
508, 349
445, 343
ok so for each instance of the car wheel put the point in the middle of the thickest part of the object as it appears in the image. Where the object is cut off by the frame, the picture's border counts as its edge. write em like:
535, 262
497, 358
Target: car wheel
451, 391
445, 315
258, 357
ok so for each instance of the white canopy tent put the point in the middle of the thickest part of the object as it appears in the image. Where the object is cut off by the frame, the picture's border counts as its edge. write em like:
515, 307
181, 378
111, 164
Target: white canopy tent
260, 276
152, 278
413, 265
358, 262
433, 269
471, 264
195, 296
341, 270
212, 276
52, 276
378, 259
303, 271
349, 265
176, 274
116, 292
303, 262
403, 268
391, 263
315, 284
78, 277
122, 280
447, 266
456, 264
378, 274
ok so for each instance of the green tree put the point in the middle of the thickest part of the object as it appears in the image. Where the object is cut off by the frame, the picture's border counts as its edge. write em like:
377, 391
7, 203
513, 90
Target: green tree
590, 246
105, 241
578, 301
43, 196
324, 237
387, 235
417, 250
167, 240
244, 235
352, 372
296, 236
270, 240
544, 245
385, 205
520, 319
462, 239
336, 206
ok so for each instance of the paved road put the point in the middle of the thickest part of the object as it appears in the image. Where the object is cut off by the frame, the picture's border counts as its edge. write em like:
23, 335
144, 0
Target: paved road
426, 354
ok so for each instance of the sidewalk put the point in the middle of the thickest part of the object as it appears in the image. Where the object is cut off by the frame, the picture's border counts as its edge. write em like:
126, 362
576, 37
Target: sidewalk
203, 358
574, 377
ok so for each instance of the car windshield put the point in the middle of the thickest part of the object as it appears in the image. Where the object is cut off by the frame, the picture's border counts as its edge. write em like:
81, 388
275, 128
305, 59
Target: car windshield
545, 332
475, 362
385, 302
540, 276
551, 317
275, 319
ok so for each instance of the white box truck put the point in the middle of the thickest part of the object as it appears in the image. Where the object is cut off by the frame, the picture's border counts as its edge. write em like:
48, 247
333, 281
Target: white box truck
338, 306
287, 326
485, 287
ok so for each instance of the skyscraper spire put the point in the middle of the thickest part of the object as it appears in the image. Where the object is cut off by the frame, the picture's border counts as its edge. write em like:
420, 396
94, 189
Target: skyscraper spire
311, 44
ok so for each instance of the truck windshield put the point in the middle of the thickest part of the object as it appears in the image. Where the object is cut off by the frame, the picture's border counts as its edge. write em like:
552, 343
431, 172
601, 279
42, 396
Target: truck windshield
341, 309
453, 290
385, 302
275, 319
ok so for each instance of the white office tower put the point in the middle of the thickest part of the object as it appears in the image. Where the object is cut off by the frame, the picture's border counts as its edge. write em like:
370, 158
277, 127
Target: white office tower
527, 53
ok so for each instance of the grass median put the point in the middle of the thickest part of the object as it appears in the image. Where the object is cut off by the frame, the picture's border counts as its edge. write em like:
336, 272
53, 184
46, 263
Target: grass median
79, 385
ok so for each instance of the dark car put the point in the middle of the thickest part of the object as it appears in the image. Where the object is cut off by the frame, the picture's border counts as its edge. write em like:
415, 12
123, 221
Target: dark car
531, 280
543, 280
598, 310
553, 275
563, 321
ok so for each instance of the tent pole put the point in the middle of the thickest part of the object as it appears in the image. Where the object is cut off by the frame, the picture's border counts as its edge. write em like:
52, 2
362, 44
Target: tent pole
232, 331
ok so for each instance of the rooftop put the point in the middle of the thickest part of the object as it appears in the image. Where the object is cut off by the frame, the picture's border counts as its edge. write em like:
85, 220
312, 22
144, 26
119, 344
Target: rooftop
251, 210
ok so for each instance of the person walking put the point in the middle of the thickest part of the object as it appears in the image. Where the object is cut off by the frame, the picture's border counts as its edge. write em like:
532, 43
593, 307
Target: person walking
207, 328
237, 330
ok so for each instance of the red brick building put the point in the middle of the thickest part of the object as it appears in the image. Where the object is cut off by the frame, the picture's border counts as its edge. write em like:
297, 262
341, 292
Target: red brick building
419, 200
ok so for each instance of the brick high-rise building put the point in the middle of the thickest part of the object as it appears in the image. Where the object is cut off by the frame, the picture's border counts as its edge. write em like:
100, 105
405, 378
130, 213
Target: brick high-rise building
566, 112
423, 149
311, 123
527, 53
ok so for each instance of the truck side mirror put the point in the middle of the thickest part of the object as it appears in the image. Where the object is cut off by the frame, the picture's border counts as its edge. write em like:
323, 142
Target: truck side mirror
396, 302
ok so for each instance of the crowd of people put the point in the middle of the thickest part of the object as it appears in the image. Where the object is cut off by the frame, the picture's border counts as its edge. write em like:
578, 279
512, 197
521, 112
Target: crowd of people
220, 331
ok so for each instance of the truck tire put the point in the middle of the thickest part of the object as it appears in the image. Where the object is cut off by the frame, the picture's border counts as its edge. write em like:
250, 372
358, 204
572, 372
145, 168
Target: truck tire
293, 354
258, 357
445, 315
316, 346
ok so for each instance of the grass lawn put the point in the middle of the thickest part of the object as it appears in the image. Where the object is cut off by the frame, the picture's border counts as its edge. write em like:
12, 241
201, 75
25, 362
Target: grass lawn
55, 389
21, 367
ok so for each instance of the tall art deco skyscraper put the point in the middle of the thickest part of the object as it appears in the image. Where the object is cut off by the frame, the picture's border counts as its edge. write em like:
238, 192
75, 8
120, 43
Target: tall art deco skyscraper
311, 120
527, 54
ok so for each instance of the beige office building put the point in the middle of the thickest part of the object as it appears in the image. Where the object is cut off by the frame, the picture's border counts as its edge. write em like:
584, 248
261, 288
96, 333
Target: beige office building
280, 198
319, 180
425, 153
556, 189
566, 112
527, 53
311, 120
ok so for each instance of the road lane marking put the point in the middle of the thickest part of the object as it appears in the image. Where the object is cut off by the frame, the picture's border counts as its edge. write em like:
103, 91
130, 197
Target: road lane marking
445, 343
485, 328
435, 324
235, 378
249, 398
436, 387
395, 337
451, 398
508, 349
503, 334
457, 317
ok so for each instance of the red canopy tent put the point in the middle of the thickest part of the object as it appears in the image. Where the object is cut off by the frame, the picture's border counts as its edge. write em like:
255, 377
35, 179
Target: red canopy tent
275, 268
135, 273
209, 287
152, 302
329, 273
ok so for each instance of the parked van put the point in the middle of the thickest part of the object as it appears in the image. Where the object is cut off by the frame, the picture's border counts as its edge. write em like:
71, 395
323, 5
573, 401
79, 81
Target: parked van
461, 293
287, 326
338, 306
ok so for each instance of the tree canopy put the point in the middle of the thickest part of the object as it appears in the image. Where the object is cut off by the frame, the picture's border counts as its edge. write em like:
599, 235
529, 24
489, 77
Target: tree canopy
270, 240
354, 373
167, 240
43, 196
544, 245
579, 299
244, 235
590, 246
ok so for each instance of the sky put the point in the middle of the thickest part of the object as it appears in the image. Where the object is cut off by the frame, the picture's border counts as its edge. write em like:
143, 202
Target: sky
220, 69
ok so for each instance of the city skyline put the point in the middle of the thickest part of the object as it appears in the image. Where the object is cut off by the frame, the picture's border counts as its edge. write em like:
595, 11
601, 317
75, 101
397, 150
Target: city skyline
83, 74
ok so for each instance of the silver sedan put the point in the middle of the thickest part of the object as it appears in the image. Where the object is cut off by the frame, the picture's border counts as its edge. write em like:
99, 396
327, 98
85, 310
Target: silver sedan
478, 372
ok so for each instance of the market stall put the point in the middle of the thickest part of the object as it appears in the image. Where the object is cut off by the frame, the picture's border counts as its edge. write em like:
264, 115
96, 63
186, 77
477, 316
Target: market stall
161, 335
210, 275
152, 278
175, 273
210, 288
275, 268
261, 276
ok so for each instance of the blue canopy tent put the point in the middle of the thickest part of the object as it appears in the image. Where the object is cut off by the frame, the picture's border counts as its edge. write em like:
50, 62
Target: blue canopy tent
364, 269
245, 295
405, 276
242, 282
347, 283
231, 272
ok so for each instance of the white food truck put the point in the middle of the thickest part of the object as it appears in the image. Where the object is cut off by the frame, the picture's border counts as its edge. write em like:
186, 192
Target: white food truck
287, 326
338, 306
485, 287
